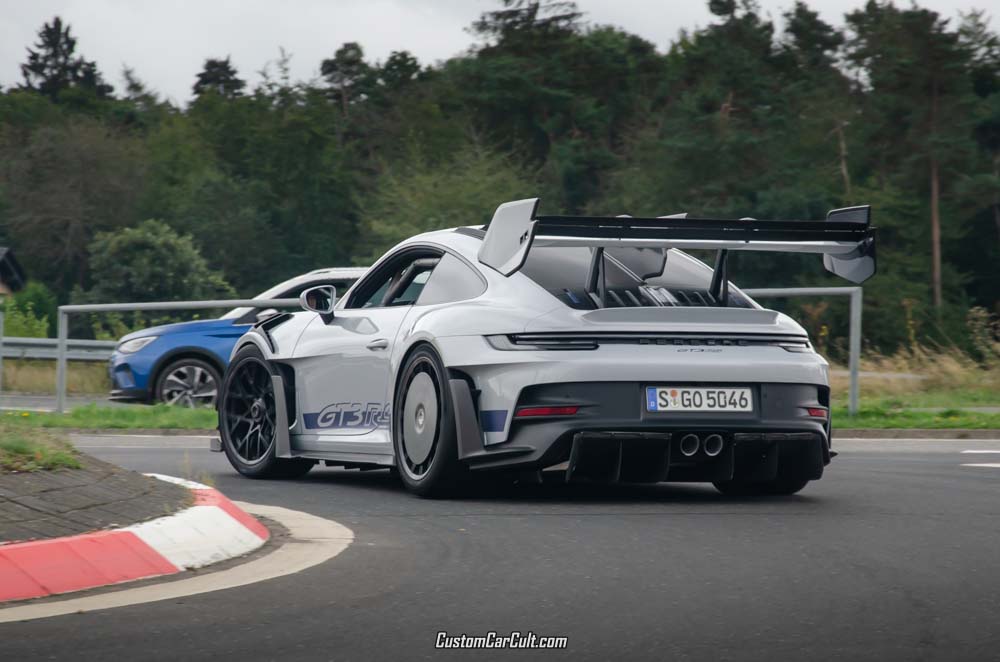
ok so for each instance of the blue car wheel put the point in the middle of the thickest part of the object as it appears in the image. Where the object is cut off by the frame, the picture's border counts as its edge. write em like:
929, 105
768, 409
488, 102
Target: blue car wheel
188, 382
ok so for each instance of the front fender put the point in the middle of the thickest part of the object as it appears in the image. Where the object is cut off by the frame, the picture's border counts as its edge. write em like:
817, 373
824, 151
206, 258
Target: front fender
257, 339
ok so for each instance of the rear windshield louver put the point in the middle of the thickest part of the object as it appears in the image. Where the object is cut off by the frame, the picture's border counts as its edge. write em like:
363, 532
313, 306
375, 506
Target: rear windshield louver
648, 296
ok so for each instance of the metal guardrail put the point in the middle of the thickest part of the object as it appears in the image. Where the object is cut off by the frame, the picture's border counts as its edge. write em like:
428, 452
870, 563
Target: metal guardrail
63, 342
48, 348
66, 349
854, 341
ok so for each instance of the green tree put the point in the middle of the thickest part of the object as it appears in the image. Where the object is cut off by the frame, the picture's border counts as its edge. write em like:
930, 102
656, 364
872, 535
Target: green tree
416, 196
347, 74
151, 262
220, 77
63, 184
527, 24
52, 66
918, 104
980, 189
399, 70
558, 95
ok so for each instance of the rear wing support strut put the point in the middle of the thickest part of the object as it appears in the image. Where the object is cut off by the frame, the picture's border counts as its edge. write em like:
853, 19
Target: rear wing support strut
719, 289
596, 281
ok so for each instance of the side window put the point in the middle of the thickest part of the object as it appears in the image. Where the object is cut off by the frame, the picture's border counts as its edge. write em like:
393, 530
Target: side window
451, 280
411, 292
374, 299
397, 283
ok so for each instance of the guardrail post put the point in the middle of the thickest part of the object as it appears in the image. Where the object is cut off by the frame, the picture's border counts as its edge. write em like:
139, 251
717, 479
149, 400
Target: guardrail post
854, 358
63, 335
2, 320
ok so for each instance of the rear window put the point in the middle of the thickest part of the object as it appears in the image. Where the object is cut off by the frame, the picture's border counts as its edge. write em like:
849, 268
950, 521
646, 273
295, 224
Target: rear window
684, 281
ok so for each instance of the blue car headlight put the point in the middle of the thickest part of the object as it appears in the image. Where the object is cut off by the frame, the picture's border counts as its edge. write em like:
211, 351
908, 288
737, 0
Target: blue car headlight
134, 345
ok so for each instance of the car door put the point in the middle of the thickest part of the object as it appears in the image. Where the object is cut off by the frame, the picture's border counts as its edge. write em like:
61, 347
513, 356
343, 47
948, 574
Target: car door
342, 364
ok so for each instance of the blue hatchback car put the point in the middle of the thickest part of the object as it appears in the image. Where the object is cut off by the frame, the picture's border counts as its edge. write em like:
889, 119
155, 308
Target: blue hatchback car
182, 364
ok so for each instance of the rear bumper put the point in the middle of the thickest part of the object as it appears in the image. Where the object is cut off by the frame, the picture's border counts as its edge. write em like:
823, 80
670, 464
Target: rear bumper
504, 378
613, 438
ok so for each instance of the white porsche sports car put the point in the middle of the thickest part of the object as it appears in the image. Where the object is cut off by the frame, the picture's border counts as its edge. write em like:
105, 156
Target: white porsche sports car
592, 346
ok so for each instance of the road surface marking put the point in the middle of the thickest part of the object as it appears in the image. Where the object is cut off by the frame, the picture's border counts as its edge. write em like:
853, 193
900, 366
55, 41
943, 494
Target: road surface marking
313, 540
985, 465
135, 447
112, 436
998, 452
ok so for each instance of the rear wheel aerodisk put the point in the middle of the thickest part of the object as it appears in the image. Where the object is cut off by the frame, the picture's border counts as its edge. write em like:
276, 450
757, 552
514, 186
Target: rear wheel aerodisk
420, 414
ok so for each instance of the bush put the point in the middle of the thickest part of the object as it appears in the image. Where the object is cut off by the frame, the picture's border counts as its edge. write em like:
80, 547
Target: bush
31, 312
22, 322
150, 262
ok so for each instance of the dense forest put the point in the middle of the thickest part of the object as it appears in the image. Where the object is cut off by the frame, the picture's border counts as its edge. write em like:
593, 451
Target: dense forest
109, 193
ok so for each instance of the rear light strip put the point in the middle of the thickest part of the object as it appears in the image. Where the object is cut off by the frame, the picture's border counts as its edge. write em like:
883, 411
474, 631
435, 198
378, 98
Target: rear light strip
592, 341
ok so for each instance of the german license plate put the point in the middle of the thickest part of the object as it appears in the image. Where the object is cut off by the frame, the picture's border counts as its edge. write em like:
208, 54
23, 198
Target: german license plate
685, 398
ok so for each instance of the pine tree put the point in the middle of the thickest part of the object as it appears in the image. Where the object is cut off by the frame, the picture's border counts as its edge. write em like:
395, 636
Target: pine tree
347, 73
919, 95
53, 67
220, 77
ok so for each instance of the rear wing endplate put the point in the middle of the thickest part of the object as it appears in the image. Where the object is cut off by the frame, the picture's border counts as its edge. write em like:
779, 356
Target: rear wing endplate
845, 239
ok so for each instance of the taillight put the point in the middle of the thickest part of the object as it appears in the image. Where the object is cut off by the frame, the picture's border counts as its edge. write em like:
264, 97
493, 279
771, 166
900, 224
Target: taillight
527, 412
816, 412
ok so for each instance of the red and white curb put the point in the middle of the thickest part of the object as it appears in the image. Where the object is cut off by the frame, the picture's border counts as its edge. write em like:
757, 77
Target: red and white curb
212, 530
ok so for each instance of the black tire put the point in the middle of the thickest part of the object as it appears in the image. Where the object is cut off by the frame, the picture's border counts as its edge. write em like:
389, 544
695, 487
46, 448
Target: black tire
423, 427
188, 382
247, 417
781, 486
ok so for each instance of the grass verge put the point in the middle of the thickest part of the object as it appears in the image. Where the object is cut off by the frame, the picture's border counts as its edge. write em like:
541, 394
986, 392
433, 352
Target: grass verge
957, 398
880, 418
94, 417
26, 449
39, 376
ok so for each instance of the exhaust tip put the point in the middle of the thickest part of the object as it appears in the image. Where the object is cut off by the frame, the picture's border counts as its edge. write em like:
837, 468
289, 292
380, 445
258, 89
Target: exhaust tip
713, 445
689, 445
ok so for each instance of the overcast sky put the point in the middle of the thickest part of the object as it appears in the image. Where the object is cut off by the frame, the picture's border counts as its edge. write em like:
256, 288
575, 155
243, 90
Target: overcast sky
167, 41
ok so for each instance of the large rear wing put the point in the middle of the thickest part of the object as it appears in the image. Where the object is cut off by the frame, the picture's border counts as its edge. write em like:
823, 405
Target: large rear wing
845, 239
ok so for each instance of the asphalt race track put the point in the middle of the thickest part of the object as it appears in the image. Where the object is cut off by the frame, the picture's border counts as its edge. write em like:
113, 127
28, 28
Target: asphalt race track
895, 554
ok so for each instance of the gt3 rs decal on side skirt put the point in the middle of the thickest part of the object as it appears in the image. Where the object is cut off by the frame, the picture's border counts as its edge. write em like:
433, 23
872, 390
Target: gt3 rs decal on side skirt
368, 415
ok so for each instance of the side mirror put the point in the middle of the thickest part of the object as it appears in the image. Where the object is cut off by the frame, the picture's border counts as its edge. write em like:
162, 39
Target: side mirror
266, 313
320, 299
